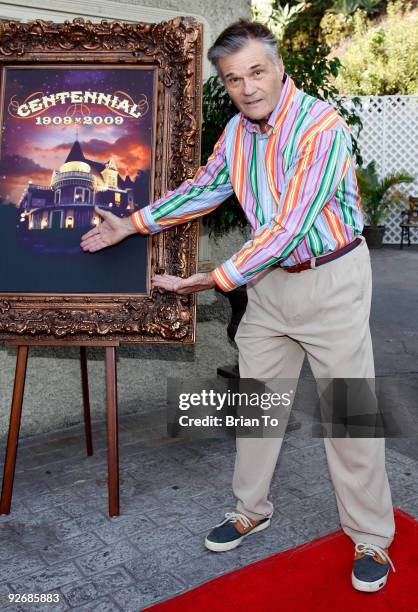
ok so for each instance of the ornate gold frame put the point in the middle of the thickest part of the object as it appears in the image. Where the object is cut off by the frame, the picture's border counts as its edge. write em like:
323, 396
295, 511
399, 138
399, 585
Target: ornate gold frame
175, 49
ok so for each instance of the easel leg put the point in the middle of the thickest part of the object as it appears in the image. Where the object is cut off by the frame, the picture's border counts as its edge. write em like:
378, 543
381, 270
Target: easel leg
112, 431
14, 428
86, 400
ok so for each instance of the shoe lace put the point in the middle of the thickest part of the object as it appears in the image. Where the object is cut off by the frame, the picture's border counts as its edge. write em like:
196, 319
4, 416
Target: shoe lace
234, 517
372, 550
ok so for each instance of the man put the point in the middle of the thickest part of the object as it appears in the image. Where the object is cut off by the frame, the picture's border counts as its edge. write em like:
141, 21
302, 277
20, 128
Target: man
287, 156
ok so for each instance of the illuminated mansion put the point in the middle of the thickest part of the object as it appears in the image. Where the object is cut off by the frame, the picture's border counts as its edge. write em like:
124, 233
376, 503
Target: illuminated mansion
76, 188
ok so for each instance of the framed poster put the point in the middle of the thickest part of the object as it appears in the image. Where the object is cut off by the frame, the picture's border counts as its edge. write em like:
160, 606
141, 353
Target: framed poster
95, 116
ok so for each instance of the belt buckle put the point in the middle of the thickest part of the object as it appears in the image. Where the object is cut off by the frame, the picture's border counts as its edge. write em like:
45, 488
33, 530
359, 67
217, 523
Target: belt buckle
313, 263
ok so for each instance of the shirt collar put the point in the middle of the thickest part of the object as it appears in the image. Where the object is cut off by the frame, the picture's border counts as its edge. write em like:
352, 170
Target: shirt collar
279, 112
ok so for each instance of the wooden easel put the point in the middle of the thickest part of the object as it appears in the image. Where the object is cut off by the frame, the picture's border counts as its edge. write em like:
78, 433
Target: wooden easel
112, 417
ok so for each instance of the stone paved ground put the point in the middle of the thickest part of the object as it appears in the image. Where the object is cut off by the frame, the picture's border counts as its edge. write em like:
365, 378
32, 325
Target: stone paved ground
59, 539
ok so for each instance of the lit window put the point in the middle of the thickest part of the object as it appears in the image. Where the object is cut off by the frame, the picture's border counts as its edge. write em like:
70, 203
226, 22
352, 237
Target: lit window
95, 220
44, 223
117, 198
69, 222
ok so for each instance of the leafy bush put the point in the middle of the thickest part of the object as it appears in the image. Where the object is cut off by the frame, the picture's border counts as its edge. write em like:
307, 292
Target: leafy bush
275, 16
349, 7
378, 195
336, 27
382, 59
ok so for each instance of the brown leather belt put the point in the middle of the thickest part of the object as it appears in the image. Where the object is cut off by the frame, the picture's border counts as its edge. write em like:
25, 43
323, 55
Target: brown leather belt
319, 261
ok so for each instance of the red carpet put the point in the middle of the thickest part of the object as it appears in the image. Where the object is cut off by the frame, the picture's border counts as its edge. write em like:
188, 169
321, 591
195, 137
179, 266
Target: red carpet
295, 580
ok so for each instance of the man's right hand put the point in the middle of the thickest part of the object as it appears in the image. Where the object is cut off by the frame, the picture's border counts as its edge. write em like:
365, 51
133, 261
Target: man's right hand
110, 231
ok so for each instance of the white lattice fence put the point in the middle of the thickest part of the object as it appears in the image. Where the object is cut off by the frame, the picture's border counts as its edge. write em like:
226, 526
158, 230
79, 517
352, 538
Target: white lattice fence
389, 136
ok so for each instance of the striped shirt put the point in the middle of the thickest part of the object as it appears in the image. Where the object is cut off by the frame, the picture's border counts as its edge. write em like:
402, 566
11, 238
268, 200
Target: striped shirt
296, 183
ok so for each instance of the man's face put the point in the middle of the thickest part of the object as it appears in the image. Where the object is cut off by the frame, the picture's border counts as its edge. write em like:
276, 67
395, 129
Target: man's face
253, 80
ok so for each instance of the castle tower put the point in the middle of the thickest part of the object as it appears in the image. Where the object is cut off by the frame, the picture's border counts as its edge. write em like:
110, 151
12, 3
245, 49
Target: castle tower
110, 174
76, 153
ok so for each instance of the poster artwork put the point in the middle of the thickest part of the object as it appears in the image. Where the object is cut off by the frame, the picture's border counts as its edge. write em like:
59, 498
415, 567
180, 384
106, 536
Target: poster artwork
73, 139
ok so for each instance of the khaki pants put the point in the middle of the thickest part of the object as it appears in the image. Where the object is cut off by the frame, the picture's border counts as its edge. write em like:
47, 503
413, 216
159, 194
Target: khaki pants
324, 313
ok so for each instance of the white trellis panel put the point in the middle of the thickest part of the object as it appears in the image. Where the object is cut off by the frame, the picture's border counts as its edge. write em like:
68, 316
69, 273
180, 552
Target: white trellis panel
390, 137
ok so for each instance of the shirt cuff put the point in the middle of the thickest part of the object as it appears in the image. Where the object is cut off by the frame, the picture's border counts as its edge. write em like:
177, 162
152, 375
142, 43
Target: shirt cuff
143, 221
227, 277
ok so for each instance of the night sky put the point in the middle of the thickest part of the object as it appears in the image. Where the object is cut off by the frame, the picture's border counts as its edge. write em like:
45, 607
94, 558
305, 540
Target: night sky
32, 152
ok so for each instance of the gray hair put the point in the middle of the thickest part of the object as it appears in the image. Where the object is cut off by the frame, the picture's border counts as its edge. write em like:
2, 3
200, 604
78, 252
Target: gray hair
237, 35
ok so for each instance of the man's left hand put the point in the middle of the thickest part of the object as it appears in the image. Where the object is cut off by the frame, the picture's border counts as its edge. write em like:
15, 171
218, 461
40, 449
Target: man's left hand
184, 286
